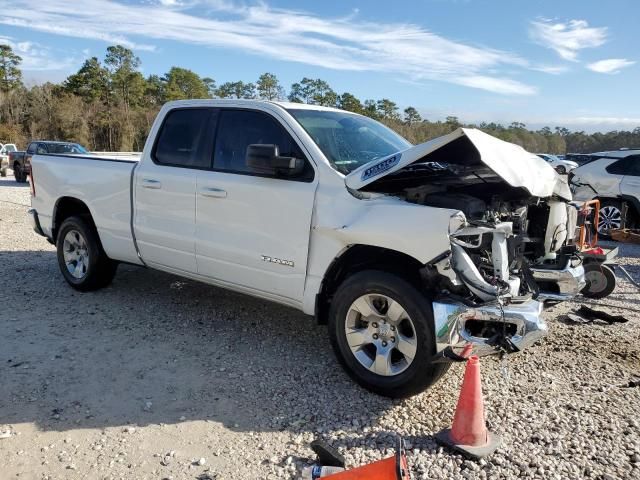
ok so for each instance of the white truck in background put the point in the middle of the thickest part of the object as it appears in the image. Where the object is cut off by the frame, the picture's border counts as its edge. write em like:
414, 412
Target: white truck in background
5, 150
415, 256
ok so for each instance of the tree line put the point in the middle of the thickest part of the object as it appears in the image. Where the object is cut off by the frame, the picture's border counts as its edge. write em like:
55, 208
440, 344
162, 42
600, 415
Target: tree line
110, 105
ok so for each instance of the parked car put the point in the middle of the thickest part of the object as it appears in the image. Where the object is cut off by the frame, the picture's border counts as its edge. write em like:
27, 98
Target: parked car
5, 150
561, 166
21, 161
613, 178
581, 158
415, 256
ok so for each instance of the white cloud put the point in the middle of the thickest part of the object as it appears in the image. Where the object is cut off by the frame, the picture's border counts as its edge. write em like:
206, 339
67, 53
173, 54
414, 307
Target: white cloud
587, 121
502, 85
406, 50
551, 69
37, 57
567, 38
611, 65
598, 123
615, 121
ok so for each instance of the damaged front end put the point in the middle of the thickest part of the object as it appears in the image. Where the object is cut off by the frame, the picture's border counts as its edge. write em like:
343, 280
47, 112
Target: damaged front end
511, 240
487, 301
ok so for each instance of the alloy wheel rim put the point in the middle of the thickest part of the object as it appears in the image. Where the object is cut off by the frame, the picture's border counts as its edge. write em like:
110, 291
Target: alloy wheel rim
380, 334
76, 255
610, 218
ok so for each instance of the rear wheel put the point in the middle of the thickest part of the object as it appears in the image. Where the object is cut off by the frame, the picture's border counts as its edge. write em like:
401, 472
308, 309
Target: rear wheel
19, 174
81, 259
381, 328
610, 217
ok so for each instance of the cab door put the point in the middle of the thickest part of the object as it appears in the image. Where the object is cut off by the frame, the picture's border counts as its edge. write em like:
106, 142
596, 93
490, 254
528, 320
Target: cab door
253, 228
165, 188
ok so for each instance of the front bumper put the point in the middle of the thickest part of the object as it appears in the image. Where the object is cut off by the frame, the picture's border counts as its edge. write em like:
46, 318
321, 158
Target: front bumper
35, 221
462, 331
559, 285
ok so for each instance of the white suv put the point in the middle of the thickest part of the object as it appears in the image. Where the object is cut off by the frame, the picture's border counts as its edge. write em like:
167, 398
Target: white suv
614, 179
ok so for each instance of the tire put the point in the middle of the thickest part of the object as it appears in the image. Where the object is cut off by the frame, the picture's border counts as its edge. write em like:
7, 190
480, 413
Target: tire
561, 169
610, 217
79, 249
19, 174
404, 377
3, 172
601, 280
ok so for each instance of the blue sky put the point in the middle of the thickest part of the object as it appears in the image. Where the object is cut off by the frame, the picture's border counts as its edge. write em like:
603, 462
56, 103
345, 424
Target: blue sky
573, 63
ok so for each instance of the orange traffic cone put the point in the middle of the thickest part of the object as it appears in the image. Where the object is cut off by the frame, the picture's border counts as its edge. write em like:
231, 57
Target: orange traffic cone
469, 434
392, 468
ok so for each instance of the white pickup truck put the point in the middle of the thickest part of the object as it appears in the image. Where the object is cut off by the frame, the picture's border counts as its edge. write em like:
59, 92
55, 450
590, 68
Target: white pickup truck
415, 256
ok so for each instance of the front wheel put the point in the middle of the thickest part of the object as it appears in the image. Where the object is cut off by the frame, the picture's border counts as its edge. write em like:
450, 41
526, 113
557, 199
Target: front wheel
81, 259
382, 331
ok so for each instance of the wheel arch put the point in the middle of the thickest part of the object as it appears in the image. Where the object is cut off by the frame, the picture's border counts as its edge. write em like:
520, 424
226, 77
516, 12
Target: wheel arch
359, 257
66, 207
633, 202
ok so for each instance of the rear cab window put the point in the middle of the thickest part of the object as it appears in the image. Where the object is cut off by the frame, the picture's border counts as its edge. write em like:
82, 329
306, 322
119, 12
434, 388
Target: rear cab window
181, 141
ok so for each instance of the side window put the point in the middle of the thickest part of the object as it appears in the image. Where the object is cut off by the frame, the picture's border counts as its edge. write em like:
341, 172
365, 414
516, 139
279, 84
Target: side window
624, 166
32, 148
42, 149
180, 139
237, 129
634, 169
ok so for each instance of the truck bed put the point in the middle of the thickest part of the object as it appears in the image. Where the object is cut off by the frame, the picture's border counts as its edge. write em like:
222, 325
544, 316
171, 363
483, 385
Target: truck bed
102, 182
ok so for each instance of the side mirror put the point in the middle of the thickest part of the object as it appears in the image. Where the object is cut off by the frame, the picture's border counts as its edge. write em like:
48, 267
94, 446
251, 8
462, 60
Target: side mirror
266, 159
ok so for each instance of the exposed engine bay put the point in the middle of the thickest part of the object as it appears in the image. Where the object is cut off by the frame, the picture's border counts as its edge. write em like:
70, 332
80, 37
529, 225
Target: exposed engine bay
506, 235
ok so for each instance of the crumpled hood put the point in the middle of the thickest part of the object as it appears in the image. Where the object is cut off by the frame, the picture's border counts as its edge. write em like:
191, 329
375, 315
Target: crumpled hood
469, 146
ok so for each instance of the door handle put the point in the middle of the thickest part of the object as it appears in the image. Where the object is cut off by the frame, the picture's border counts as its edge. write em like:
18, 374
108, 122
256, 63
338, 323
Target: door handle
213, 192
150, 183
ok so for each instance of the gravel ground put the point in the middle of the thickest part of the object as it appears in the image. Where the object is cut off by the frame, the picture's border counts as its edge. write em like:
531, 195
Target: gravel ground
158, 377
